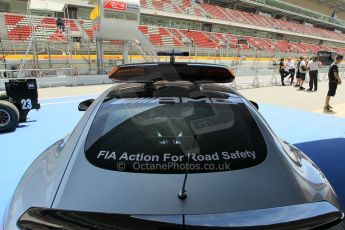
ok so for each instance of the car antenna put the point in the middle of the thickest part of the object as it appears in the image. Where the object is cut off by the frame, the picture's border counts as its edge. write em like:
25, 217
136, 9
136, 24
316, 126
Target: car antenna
183, 192
182, 195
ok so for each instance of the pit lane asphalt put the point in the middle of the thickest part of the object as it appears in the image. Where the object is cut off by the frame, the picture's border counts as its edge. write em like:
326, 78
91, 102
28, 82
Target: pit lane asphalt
320, 136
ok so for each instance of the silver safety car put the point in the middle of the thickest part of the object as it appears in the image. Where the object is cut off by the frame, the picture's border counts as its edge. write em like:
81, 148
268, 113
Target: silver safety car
169, 147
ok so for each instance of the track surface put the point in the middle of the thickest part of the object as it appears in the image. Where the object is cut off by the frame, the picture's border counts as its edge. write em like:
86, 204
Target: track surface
321, 137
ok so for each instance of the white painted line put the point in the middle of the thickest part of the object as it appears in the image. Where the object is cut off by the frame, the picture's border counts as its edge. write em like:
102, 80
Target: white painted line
61, 102
84, 95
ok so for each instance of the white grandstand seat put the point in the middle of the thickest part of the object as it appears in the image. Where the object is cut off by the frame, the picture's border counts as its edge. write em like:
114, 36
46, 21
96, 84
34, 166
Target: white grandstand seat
200, 38
227, 14
160, 36
214, 11
87, 26
143, 4
164, 5
21, 27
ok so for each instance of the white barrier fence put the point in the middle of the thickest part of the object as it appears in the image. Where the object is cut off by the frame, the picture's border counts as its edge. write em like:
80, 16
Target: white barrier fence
245, 78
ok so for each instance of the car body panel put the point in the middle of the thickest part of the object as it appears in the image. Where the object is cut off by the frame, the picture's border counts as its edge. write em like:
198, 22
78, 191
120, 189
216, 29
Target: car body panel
40, 182
125, 188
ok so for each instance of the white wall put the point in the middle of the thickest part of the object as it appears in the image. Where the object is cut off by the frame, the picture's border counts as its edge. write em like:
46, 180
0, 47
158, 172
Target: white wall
18, 6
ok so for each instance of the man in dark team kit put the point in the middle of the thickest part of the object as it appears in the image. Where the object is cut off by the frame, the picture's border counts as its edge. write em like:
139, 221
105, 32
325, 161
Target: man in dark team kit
303, 72
334, 80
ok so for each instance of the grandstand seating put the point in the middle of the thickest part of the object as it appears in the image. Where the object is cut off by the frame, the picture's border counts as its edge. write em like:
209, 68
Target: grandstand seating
227, 39
200, 38
162, 5
20, 27
215, 11
284, 46
160, 36
87, 26
221, 13
264, 21
261, 44
185, 5
181, 38
71, 24
143, 4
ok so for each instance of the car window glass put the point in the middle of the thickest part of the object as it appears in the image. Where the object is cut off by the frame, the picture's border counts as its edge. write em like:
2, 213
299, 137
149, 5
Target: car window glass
172, 134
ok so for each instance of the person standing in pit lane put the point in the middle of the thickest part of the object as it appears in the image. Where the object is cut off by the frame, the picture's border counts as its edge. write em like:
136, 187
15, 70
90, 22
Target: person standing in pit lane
334, 81
313, 66
291, 67
303, 71
298, 73
283, 70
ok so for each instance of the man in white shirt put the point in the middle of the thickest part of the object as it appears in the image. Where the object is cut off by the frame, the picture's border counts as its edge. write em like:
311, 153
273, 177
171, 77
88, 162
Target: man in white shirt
291, 68
313, 66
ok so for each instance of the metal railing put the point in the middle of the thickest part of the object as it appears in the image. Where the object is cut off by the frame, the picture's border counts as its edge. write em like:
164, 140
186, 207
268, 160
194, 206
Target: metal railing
246, 76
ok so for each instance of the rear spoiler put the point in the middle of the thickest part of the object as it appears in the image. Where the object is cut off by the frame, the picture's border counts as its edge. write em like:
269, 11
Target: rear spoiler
152, 72
318, 215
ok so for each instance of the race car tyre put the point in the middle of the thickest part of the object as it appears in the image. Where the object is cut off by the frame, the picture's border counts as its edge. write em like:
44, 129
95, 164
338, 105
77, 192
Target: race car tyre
3, 96
9, 116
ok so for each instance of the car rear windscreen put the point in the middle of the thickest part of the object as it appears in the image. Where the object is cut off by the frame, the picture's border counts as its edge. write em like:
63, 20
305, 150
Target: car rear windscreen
172, 135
